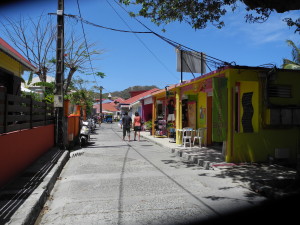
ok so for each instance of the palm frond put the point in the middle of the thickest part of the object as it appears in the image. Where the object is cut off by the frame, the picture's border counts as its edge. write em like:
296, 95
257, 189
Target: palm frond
295, 51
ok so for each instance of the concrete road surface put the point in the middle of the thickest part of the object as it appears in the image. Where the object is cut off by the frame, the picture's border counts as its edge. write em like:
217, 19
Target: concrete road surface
121, 182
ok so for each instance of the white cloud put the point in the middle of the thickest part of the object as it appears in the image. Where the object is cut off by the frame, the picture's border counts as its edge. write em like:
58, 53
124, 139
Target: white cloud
273, 30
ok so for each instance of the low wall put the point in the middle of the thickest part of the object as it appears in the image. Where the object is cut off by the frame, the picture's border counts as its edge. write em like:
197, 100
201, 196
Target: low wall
73, 130
20, 149
258, 146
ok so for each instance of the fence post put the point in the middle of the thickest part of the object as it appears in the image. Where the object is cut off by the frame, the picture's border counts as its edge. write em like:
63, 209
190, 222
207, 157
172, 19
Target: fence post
5, 111
31, 110
45, 112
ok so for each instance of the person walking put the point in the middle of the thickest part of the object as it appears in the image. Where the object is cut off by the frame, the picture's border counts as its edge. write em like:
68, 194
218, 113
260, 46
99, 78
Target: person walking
137, 123
126, 125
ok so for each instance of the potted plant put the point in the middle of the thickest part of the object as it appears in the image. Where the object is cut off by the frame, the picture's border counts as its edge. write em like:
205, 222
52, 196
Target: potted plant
148, 125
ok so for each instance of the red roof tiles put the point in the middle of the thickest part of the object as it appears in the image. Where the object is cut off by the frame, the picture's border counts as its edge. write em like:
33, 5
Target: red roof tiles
137, 97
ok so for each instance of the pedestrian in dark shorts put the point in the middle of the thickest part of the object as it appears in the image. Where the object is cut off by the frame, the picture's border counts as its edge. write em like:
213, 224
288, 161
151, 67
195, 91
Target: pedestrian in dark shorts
137, 125
126, 124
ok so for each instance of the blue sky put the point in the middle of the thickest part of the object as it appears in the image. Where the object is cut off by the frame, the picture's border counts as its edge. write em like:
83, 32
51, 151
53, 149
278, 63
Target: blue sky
127, 62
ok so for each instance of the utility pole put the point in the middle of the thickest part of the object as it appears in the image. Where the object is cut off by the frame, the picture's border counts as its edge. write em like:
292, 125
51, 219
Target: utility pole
100, 102
59, 95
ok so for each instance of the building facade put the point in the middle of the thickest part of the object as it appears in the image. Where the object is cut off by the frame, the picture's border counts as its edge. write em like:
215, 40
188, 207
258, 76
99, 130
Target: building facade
252, 112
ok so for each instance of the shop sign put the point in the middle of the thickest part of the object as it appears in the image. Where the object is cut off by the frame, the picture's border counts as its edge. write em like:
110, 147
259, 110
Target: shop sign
148, 101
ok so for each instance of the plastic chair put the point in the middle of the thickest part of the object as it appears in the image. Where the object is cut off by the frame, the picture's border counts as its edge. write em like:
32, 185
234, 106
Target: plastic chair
187, 136
199, 135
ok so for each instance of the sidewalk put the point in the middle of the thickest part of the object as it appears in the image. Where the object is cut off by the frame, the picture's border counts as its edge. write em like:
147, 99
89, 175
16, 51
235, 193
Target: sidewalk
271, 180
22, 200
208, 158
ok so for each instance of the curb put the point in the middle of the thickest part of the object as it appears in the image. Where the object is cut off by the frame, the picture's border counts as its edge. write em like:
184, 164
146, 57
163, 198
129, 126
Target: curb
31, 208
193, 158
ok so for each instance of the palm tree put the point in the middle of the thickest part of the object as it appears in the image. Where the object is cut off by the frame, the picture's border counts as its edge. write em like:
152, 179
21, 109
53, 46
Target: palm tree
295, 63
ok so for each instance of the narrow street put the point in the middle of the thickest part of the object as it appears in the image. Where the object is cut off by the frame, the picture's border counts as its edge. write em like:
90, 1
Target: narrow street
121, 182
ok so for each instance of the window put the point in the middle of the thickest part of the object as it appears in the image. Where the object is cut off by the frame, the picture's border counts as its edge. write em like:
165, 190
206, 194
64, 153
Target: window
280, 91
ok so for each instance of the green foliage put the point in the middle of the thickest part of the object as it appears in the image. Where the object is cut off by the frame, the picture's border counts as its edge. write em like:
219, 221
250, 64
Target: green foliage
84, 98
148, 124
80, 95
49, 98
293, 64
198, 13
29, 80
100, 74
34, 96
48, 92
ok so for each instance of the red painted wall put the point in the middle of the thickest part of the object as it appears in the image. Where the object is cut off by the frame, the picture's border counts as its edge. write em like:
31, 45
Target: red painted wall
147, 112
21, 148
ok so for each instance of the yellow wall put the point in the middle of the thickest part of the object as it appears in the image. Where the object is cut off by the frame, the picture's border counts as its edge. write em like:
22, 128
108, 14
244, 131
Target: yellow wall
259, 145
288, 78
256, 147
10, 64
178, 114
201, 105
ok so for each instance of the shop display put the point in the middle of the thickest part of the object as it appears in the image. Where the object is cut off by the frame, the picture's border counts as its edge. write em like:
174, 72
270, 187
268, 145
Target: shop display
160, 128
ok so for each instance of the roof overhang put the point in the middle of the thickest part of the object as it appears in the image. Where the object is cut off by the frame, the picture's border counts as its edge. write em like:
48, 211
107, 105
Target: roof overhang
16, 57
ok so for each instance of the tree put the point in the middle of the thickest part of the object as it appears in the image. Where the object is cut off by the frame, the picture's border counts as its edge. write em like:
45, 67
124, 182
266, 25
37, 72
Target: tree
81, 95
78, 54
293, 64
199, 13
34, 39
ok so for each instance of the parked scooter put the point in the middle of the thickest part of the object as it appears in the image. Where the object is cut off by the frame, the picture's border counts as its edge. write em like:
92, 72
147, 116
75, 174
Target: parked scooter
85, 133
92, 125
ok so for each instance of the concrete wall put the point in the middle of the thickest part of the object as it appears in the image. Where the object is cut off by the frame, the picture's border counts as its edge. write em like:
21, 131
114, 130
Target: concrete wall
21, 148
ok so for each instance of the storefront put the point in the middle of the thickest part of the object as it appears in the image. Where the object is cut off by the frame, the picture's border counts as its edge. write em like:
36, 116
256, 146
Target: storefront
252, 112
163, 113
147, 103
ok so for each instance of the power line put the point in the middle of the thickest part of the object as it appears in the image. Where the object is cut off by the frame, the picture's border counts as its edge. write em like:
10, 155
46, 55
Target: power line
209, 60
212, 60
97, 25
86, 45
176, 44
142, 42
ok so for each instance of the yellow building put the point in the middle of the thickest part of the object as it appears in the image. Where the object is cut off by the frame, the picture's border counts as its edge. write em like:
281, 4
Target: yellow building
12, 66
252, 112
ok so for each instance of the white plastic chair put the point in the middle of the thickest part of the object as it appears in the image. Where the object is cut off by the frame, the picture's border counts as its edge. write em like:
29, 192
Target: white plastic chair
199, 135
187, 136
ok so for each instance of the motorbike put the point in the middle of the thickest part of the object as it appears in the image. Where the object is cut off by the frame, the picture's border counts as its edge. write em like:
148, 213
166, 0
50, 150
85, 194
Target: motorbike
85, 133
92, 125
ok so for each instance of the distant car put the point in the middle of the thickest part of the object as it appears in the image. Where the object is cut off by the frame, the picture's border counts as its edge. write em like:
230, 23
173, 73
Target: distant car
109, 119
